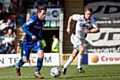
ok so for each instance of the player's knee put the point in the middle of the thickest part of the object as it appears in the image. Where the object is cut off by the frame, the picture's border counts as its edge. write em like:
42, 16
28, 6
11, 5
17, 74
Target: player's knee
40, 54
74, 54
82, 49
26, 60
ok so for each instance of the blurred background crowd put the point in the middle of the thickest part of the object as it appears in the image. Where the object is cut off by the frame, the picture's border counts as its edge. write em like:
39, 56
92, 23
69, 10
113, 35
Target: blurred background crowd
13, 13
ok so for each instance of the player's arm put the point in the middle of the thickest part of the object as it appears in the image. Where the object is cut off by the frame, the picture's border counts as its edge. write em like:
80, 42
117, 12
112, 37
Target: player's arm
69, 24
73, 17
95, 28
25, 27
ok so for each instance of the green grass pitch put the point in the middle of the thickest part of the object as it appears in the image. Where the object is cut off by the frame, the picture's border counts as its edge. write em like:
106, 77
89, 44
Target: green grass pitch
93, 72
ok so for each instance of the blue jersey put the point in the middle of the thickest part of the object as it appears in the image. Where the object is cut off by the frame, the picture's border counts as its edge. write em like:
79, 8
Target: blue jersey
33, 27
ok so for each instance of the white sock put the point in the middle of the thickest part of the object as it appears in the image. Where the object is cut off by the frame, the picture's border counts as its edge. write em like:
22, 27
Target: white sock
79, 61
68, 62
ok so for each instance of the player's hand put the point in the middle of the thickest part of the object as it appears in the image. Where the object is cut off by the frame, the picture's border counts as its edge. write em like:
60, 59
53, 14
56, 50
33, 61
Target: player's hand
68, 30
34, 38
87, 31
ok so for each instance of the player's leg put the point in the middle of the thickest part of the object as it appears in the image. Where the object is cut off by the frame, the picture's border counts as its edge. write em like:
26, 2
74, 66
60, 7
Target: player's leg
69, 61
38, 48
80, 55
73, 55
29, 61
24, 57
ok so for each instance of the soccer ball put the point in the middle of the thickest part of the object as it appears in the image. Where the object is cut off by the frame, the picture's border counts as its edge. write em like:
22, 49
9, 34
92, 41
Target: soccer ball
55, 72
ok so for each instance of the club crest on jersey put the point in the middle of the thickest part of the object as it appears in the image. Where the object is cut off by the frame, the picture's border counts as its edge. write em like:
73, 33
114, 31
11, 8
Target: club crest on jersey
29, 21
82, 20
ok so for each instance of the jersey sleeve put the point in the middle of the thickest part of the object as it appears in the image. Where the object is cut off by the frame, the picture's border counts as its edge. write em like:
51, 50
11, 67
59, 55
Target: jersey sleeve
94, 24
76, 17
28, 24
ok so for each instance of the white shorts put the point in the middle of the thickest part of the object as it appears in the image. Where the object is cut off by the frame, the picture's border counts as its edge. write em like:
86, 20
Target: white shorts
76, 42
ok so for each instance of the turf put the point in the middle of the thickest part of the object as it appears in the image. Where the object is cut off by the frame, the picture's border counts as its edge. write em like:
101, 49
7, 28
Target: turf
98, 72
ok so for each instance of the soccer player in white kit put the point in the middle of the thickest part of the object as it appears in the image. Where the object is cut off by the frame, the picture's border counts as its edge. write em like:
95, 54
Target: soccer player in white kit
83, 26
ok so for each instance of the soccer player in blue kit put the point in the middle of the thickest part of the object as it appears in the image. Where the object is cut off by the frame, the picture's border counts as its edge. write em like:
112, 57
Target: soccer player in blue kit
31, 40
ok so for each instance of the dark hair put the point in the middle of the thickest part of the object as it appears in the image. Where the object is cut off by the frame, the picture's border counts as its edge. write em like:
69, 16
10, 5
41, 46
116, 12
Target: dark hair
89, 9
10, 19
41, 8
10, 28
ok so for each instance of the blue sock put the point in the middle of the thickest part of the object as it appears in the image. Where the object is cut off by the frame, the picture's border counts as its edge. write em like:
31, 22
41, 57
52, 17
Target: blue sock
39, 64
20, 63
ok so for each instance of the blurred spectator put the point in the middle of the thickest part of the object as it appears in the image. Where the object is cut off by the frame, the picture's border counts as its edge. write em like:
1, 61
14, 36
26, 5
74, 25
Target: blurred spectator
31, 2
14, 2
25, 3
6, 4
35, 4
9, 24
12, 9
58, 5
39, 1
20, 13
55, 44
50, 5
43, 43
9, 41
2, 26
12, 12
2, 48
4, 14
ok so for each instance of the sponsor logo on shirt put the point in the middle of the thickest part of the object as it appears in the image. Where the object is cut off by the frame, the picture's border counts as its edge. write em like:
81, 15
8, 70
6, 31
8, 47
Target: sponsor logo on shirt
37, 27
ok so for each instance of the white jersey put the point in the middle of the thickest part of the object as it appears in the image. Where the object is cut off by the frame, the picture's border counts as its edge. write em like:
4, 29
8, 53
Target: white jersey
82, 24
